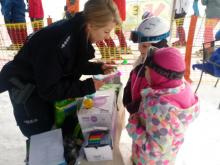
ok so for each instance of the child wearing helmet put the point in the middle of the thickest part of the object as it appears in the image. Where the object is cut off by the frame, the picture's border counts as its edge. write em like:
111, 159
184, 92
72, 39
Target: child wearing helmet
152, 31
140, 59
168, 106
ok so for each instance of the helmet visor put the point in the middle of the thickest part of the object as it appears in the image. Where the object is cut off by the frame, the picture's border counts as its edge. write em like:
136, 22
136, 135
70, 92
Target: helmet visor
138, 37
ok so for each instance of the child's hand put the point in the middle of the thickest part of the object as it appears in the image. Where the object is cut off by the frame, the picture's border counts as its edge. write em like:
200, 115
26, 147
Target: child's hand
98, 84
108, 68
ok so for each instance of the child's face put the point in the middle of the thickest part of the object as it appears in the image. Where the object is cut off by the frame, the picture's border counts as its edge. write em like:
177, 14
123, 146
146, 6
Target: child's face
147, 75
143, 47
99, 34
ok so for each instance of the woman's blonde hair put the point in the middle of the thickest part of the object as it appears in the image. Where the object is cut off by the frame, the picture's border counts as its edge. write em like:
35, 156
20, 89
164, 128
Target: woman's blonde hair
100, 12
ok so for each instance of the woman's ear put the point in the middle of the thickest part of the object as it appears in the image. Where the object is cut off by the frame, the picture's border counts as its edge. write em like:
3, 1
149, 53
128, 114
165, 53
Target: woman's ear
90, 28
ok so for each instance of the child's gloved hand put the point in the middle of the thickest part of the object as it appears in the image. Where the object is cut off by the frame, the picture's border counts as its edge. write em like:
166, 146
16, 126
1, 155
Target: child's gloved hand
107, 69
196, 8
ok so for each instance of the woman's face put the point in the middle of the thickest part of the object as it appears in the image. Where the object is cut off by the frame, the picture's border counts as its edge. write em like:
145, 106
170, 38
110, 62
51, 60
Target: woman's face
143, 47
99, 34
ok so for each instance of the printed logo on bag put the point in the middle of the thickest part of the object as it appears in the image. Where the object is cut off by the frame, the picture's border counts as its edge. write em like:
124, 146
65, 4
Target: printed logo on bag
85, 118
30, 121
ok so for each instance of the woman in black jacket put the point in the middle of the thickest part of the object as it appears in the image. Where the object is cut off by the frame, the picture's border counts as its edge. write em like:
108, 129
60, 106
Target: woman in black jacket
49, 65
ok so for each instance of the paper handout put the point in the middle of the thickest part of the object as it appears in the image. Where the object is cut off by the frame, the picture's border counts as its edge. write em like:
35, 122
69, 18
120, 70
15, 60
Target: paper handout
47, 148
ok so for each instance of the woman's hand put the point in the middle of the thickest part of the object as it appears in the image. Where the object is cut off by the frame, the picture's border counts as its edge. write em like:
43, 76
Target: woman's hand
98, 84
107, 69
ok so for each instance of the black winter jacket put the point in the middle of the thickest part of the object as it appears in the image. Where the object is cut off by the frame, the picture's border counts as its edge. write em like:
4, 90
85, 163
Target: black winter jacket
54, 59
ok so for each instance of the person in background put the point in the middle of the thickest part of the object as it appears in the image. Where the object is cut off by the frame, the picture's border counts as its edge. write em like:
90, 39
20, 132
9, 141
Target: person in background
181, 9
167, 108
72, 7
118, 30
36, 14
14, 16
212, 18
48, 67
152, 31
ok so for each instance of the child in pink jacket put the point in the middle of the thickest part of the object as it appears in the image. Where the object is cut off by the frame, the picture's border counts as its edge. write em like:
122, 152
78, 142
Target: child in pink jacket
168, 106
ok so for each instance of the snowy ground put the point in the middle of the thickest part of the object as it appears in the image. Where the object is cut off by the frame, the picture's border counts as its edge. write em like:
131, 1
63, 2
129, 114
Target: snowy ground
12, 142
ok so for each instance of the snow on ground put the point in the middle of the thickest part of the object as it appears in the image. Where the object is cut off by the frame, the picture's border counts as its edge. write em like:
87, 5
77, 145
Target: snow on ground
12, 142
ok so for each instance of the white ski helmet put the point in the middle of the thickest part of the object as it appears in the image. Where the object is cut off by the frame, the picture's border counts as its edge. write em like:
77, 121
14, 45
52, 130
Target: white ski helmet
151, 30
